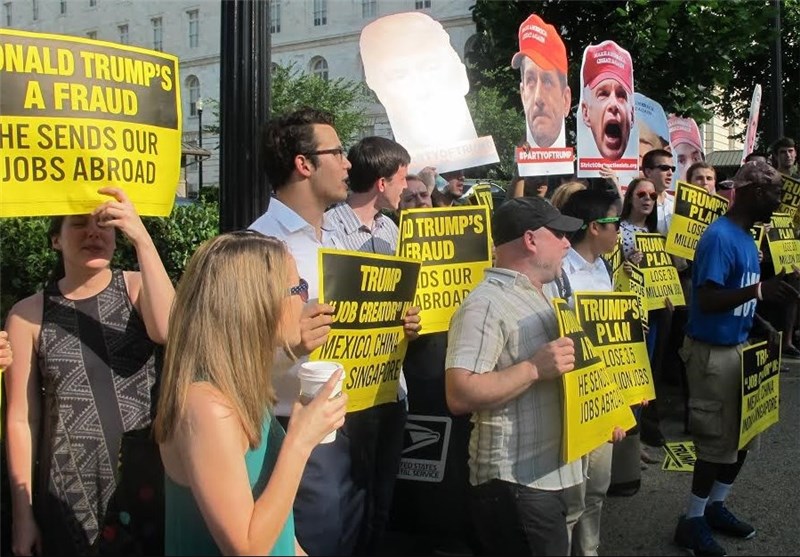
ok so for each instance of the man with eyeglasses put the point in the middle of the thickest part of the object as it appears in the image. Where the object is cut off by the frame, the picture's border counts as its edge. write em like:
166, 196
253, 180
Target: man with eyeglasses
657, 166
307, 169
504, 365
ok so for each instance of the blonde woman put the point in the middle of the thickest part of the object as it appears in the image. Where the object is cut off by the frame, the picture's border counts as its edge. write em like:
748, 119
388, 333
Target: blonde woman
562, 193
231, 470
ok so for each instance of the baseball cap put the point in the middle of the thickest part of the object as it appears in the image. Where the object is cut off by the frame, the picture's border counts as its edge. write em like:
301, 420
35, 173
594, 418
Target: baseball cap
684, 130
755, 172
607, 60
540, 42
515, 216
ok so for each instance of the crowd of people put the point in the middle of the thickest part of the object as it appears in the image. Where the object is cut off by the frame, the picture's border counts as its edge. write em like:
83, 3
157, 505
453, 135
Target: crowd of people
147, 419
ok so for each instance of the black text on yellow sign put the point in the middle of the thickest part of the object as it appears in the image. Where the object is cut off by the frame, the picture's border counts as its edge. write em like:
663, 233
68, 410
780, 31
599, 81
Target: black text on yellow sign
660, 275
78, 114
679, 456
593, 403
371, 295
761, 364
633, 281
695, 209
615, 260
784, 247
481, 194
613, 323
790, 195
454, 246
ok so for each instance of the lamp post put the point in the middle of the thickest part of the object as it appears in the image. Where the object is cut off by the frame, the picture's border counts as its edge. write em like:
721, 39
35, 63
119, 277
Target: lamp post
199, 106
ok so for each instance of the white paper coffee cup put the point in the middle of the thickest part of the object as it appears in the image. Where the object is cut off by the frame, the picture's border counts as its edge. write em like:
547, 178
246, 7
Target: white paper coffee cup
313, 375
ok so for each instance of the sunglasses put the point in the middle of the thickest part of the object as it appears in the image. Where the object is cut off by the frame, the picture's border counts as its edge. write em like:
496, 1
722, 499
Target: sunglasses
664, 167
644, 194
606, 220
300, 290
338, 152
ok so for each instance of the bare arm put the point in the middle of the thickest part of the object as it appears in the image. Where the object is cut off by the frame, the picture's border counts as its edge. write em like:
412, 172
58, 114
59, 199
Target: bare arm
23, 415
151, 290
467, 391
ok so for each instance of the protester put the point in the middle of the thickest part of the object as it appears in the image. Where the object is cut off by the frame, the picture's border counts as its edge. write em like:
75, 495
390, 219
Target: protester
504, 364
232, 471
704, 175
85, 372
658, 168
528, 186
607, 105
546, 97
637, 216
307, 168
585, 270
377, 180
784, 156
451, 190
726, 287
416, 194
564, 191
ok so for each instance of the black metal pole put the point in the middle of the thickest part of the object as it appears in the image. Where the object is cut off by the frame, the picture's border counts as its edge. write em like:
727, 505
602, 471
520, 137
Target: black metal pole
200, 145
777, 75
244, 110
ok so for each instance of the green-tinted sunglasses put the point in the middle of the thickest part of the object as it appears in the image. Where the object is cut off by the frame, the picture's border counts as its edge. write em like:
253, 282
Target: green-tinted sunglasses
605, 220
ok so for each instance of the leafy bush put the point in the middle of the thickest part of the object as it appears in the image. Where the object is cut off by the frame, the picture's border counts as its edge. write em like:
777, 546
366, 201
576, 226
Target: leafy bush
27, 258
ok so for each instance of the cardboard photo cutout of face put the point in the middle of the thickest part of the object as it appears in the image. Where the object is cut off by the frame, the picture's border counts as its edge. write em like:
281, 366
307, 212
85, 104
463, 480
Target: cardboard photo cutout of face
607, 134
687, 145
421, 82
752, 123
651, 120
546, 99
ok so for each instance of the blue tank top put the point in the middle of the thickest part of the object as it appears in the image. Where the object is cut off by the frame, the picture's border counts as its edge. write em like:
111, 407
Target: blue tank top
186, 532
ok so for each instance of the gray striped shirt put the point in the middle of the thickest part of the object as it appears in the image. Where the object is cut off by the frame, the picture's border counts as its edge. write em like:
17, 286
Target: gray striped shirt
504, 321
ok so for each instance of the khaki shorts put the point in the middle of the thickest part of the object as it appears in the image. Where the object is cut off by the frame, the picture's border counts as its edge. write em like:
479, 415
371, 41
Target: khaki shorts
714, 374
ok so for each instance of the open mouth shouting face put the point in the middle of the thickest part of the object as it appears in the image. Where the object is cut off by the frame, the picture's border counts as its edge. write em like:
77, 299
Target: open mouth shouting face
608, 113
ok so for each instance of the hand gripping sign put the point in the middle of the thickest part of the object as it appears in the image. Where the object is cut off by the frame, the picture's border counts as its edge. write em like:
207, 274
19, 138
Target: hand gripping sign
421, 82
79, 114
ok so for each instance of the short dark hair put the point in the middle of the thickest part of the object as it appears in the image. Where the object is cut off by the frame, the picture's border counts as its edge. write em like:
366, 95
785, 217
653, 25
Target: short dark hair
651, 221
290, 135
588, 205
755, 154
698, 166
781, 143
374, 158
648, 160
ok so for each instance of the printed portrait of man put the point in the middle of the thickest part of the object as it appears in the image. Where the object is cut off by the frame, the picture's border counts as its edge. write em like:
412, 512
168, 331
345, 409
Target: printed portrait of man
607, 105
652, 123
546, 97
687, 145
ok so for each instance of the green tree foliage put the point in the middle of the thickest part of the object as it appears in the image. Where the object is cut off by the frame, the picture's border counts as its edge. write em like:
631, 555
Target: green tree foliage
695, 58
493, 116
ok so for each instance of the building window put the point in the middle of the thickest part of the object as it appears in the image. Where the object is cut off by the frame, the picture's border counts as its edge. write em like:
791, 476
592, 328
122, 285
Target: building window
7, 9
63, 7
35, 10
319, 67
123, 33
92, 34
422, 4
368, 8
320, 12
194, 28
92, 3
158, 43
193, 86
275, 16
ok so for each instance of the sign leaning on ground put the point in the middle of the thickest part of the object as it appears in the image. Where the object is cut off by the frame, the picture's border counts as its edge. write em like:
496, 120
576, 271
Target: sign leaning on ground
79, 114
761, 364
371, 294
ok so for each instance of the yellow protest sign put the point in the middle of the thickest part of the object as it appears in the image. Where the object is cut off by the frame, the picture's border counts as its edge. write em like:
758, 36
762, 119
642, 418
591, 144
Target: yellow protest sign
758, 235
371, 294
613, 323
761, 365
695, 209
790, 195
784, 247
615, 260
660, 275
454, 246
481, 194
679, 457
634, 282
79, 114
593, 404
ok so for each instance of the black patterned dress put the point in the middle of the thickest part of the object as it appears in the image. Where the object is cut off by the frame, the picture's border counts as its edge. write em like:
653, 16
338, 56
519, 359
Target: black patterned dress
99, 488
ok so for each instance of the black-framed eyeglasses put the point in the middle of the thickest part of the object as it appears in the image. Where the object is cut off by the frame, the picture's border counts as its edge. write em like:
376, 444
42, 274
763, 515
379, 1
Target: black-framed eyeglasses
664, 167
300, 290
605, 220
338, 152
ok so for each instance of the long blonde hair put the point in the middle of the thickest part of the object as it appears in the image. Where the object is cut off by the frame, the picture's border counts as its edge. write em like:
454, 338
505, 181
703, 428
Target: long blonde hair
224, 328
